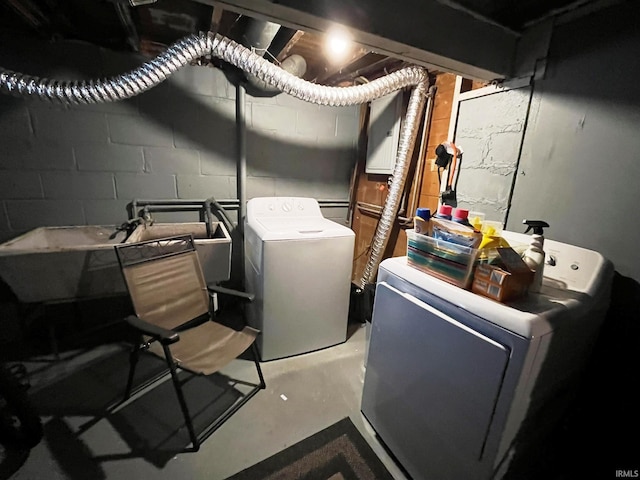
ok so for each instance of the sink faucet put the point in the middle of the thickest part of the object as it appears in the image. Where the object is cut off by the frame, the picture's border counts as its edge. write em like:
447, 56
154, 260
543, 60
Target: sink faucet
129, 226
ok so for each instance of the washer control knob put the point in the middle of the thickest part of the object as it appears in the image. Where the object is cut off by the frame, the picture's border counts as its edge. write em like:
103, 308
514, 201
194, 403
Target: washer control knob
286, 207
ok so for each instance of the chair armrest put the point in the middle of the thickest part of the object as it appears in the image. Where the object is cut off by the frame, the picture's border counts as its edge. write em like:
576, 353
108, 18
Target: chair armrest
248, 297
166, 337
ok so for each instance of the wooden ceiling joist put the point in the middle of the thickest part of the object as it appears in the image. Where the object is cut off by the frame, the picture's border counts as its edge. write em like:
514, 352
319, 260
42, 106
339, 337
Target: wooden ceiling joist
284, 53
29, 12
325, 78
378, 66
216, 18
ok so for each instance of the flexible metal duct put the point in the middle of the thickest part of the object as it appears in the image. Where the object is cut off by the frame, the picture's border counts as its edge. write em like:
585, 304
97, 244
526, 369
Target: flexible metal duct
190, 48
294, 64
182, 53
408, 134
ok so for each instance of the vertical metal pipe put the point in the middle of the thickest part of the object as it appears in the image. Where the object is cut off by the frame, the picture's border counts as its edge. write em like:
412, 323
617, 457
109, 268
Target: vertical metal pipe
241, 146
241, 177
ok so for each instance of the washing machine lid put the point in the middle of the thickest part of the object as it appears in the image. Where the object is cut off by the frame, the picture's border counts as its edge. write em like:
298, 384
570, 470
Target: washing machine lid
298, 228
291, 218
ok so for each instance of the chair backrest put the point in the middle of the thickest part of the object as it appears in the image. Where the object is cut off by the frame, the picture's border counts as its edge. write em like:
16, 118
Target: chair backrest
165, 280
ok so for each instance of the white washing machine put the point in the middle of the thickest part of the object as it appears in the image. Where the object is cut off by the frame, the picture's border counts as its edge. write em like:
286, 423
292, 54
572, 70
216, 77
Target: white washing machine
459, 386
298, 264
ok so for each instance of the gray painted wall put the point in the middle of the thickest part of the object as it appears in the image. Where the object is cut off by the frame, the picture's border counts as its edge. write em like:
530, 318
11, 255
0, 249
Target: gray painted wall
580, 166
580, 170
83, 164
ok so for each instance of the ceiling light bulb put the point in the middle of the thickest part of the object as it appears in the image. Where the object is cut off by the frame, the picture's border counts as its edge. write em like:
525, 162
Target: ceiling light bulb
338, 44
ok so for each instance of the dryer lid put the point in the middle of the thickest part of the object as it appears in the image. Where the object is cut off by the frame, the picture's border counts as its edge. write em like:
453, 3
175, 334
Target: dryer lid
531, 316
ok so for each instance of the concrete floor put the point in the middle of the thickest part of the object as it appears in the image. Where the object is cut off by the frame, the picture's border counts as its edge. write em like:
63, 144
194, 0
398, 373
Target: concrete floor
304, 394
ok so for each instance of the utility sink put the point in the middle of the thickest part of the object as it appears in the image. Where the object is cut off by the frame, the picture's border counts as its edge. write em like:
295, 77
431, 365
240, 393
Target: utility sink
58, 264
63, 264
214, 253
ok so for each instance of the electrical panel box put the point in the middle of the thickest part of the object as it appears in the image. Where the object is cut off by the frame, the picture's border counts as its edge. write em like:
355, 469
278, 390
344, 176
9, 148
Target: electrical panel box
384, 134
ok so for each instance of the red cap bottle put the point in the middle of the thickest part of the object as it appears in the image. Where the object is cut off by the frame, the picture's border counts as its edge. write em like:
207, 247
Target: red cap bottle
444, 211
461, 215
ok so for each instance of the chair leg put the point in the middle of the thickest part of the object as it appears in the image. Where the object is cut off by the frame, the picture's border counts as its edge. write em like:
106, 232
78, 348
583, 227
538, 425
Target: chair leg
181, 400
256, 357
133, 362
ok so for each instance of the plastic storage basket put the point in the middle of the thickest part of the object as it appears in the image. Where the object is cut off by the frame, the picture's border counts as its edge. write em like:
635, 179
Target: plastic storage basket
444, 260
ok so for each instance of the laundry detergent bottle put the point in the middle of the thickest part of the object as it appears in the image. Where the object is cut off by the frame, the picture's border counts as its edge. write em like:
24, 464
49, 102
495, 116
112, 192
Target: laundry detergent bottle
534, 255
461, 215
421, 221
444, 211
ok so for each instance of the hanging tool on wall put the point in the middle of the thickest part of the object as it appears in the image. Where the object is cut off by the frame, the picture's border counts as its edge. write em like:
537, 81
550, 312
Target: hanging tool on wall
449, 158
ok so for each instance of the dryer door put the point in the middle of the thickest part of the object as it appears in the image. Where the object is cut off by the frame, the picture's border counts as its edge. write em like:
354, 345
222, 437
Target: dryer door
431, 386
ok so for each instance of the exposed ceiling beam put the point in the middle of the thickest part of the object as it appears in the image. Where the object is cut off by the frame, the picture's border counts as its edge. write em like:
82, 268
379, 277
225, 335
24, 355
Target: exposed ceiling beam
422, 31
284, 53
150, 48
124, 15
280, 41
373, 71
374, 62
216, 18
227, 21
325, 78
29, 12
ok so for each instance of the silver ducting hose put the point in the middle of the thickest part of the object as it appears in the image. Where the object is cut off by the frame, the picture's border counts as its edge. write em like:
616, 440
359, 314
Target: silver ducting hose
190, 48
408, 134
185, 51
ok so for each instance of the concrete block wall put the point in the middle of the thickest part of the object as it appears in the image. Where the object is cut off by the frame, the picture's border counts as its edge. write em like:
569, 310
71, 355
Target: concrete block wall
490, 130
83, 164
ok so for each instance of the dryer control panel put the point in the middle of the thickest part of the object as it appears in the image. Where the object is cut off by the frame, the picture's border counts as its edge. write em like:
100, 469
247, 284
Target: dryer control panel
568, 267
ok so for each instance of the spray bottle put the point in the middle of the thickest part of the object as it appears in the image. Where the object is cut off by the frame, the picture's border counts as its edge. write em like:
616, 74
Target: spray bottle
534, 255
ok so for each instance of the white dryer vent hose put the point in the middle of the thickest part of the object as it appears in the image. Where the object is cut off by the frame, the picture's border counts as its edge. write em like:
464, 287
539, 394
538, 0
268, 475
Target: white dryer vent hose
192, 47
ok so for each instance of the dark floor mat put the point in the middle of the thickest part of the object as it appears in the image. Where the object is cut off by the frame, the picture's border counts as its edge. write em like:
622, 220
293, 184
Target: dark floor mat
337, 452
